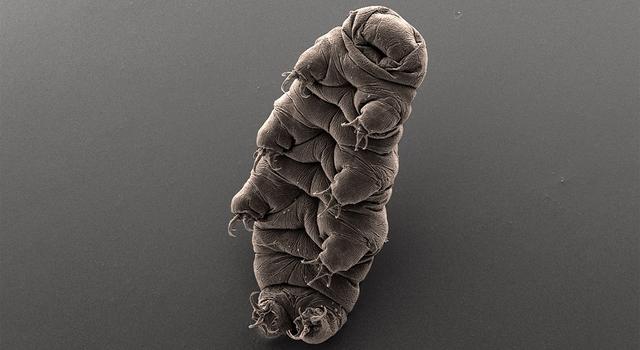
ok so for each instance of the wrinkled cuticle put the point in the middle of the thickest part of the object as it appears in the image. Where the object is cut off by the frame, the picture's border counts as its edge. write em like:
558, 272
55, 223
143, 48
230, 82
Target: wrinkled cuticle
268, 155
301, 116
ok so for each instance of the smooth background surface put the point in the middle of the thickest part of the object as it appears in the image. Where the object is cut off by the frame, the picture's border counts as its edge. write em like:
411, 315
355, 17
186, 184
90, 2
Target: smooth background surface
128, 126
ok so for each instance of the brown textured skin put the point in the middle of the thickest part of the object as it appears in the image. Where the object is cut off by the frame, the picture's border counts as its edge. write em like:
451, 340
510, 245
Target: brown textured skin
326, 161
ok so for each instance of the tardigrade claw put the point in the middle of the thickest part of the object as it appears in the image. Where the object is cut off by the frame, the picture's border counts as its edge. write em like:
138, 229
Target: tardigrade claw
316, 318
323, 271
317, 323
305, 92
268, 315
354, 123
230, 228
247, 221
312, 261
361, 133
328, 190
331, 204
288, 80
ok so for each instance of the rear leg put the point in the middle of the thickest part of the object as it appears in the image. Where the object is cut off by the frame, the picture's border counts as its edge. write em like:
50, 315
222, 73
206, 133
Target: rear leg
272, 310
318, 318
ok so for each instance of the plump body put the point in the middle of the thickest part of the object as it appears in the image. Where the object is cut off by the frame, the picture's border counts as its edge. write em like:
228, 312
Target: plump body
326, 162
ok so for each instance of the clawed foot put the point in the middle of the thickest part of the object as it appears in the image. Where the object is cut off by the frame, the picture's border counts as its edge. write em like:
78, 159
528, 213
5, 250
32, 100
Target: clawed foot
247, 221
302, 313
331, 205
323, 271
361, 133
308, 320
317, 324
290, 77
269, 316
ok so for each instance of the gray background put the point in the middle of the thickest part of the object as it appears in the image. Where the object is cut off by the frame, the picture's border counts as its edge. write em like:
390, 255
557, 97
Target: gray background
128, 126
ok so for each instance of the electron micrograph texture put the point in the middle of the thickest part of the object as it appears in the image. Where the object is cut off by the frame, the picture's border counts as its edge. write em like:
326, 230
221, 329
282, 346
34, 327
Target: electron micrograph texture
323, 172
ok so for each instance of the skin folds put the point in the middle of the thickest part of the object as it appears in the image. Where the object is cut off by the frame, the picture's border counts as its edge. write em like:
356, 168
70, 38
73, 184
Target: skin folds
326, 161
